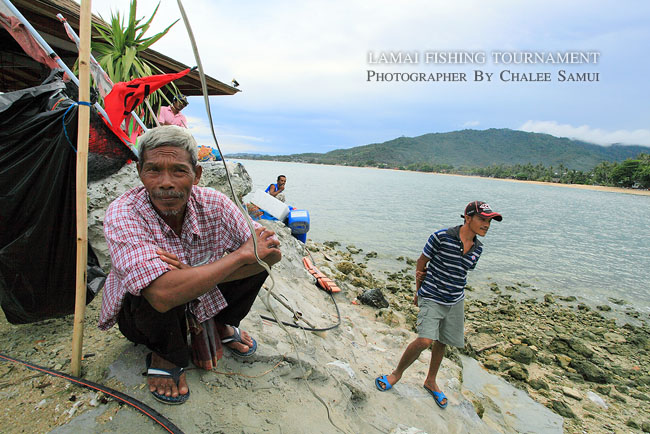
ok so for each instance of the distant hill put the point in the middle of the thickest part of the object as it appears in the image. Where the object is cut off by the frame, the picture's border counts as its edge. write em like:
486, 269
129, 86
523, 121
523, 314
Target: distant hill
472, 148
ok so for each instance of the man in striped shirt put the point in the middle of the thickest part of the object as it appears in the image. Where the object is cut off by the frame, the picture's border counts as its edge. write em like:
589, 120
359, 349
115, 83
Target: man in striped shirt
180, 253
441, 275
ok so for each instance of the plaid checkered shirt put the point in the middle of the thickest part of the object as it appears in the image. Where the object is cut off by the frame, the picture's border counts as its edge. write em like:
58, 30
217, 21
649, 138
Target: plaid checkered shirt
213, 225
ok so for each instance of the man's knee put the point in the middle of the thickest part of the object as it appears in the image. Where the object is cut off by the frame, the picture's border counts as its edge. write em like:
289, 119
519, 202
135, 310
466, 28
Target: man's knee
423, 343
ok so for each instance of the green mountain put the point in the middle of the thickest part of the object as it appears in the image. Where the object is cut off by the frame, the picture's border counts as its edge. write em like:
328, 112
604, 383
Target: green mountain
474, 148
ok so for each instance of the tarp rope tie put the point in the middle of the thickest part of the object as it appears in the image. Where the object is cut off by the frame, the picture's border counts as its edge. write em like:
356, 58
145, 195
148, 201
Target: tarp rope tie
65, 130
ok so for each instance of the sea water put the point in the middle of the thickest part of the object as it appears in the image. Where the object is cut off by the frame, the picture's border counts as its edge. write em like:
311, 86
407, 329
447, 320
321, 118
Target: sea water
593, 244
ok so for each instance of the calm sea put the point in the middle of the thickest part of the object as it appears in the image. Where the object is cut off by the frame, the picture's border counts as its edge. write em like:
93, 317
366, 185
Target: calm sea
570, 241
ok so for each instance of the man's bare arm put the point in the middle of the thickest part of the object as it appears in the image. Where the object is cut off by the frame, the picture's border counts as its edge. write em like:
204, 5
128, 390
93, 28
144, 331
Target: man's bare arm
181, 285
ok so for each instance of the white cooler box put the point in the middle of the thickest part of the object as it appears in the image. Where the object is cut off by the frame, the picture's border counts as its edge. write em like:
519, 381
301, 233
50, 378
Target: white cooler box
271, 205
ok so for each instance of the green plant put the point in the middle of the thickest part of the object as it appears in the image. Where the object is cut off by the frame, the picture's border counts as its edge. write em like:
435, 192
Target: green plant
118, 52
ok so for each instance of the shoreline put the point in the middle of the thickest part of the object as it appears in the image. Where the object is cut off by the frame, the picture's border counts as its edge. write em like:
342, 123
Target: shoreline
637, 192
595, 375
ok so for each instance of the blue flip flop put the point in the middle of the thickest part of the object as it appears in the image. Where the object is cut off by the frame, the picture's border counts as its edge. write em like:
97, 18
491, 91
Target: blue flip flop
236, 337
438, 397
174, 374
383, 380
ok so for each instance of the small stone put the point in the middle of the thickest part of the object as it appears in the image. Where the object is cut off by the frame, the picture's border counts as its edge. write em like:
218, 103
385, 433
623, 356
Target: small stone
374, 298
572, 393
632, 424
548, 298
604, 390
538, 383
569, 298
589, 371
563, 360
645, 426
491, 364
615, 337
478, 407
604, 308
518, 373
562, 409
521, 354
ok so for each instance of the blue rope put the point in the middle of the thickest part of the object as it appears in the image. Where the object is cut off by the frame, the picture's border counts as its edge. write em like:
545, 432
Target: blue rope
65, 131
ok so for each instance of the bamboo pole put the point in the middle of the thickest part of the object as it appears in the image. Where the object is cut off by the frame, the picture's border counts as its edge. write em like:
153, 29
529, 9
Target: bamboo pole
82, 186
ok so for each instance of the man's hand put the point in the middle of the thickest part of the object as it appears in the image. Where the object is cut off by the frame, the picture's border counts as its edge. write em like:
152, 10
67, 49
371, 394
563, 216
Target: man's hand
415, 299
172, 260
268, 247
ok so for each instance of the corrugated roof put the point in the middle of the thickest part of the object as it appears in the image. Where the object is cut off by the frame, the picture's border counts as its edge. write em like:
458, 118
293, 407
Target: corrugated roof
18, 71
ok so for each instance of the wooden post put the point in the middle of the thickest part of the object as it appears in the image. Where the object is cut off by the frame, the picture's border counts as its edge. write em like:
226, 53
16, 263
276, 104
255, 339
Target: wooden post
82, 185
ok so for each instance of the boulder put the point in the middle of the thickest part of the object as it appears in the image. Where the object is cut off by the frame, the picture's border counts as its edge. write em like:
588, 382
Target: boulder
589, 371
518, 372
346, 267
538, 383
374, 298
521, 354
562, 409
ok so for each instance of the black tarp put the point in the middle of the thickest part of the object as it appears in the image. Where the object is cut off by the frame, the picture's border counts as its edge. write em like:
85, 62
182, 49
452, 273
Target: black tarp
38, 203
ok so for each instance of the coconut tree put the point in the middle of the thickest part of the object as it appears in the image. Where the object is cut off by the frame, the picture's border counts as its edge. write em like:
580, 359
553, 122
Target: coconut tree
118, 51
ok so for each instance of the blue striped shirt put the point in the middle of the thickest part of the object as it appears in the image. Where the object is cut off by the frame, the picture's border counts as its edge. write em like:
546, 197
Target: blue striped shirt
447, 269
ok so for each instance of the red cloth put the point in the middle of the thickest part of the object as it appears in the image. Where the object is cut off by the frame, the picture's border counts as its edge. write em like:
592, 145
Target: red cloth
27, 41
125, 97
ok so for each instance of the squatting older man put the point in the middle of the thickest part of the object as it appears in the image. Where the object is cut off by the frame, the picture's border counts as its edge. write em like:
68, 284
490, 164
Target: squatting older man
181, 254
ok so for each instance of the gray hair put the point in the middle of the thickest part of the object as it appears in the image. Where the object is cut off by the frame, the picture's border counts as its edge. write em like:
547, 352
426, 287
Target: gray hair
168, 135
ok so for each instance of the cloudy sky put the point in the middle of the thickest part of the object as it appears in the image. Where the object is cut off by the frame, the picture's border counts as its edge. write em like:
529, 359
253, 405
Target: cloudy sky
303, 69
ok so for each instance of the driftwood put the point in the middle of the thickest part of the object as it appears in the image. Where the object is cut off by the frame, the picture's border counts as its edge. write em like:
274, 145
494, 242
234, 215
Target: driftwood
480, 350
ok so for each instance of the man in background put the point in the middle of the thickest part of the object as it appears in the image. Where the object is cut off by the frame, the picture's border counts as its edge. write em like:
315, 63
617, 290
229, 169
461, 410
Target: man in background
440, 279
171, 115
276, 190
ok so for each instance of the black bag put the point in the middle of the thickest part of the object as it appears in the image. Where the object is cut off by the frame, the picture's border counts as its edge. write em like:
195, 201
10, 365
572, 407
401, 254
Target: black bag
38, 205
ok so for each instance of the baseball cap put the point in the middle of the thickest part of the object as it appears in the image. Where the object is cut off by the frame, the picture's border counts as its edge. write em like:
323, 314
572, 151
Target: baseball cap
482, 209
182, 98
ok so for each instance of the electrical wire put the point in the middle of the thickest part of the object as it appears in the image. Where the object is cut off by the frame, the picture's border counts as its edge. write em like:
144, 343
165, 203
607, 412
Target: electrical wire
263, 264
143, 408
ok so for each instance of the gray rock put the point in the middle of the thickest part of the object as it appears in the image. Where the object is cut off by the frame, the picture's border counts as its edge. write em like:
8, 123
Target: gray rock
353, 249
589, 371
346, 267
569, 298
538, 383
562, 409
374, 298
518, 372
521, 353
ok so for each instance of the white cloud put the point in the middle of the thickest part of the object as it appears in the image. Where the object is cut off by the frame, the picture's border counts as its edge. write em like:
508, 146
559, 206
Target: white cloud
470, 124
589, 134
229, 141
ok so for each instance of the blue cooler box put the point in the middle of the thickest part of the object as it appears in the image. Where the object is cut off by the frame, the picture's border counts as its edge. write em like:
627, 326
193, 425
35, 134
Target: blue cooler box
298, 222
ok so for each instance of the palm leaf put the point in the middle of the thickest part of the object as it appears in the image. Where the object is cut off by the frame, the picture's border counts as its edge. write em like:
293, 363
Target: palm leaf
118, 47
